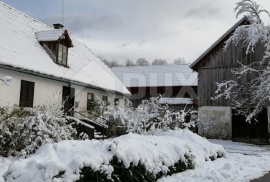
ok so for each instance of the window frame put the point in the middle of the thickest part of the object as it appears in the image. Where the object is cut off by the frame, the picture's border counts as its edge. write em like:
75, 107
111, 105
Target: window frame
116, 100
27, 98
105, 98
60, 47
88, 108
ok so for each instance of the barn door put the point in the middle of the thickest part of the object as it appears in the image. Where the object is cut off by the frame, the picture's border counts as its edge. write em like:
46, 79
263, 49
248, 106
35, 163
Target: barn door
254, 132
69, 98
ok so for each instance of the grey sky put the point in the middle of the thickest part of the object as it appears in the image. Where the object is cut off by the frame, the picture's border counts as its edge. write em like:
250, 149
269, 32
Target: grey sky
120, 29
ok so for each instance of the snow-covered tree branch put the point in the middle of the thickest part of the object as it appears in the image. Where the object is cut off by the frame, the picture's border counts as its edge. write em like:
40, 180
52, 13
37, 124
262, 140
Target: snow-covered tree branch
145, 119
250, 90
7, 80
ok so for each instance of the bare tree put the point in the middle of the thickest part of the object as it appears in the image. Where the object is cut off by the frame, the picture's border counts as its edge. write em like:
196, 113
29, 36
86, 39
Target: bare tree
129, 63
114, 63
180, 60
250, 96
142, 62
110, 64
159, 62
104, 60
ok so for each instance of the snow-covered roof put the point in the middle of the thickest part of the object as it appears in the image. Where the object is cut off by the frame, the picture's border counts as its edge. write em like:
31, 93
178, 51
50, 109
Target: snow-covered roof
175, 101
224, 36
156, 76
50, 35
20, 49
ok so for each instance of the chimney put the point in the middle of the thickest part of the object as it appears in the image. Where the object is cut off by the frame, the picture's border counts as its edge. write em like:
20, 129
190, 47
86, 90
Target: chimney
58, 26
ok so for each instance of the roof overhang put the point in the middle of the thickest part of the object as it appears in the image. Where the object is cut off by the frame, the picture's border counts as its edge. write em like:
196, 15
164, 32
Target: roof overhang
63, 80
220, 40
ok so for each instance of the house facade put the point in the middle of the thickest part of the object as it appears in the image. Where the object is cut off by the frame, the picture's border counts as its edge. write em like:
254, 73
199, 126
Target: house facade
176, 84
49, 66
218, 118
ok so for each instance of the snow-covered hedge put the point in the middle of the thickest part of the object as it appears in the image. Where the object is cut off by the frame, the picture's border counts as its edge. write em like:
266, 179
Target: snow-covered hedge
133, 156
24, 130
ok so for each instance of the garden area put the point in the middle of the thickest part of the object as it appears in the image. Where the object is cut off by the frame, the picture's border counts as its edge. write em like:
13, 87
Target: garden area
44, 144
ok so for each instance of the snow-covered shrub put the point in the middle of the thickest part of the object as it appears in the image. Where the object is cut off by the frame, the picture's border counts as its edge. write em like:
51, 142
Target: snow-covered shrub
134, 173
130, 157
148, 118
24, 130
211, 128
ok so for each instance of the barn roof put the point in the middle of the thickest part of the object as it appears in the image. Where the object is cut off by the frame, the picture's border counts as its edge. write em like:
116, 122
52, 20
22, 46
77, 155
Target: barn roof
156, 76
220, 40
20, 50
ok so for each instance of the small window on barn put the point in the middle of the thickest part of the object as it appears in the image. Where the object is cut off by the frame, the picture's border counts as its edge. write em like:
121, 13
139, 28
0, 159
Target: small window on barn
90, 101
186, 95
27, 94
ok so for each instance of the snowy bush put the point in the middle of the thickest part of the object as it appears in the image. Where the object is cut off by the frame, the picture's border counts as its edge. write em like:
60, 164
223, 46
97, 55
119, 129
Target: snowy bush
24, 130
210, 128
131, 157
150, 116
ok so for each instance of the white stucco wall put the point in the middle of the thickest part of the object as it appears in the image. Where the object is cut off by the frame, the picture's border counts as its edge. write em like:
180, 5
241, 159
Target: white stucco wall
215, 122
47, 90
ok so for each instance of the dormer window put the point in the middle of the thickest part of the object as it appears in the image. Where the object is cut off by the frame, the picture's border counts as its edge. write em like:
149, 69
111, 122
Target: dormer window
62, 55
56, 43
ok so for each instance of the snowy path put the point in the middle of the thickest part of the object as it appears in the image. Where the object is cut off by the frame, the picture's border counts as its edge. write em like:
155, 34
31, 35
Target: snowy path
244, 162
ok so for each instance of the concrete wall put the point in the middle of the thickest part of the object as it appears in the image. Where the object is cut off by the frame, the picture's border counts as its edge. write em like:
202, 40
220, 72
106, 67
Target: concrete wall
215, 122
47, 91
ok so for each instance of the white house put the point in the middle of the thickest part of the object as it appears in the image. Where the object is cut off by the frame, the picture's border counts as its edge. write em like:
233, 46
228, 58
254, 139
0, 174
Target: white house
49, 66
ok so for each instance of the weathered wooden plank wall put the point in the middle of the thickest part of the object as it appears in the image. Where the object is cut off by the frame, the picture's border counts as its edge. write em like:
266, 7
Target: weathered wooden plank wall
217, 66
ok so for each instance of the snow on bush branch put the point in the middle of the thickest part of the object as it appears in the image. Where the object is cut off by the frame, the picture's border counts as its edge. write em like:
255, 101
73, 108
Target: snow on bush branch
24, 130
7, 80
252, 95
148, 118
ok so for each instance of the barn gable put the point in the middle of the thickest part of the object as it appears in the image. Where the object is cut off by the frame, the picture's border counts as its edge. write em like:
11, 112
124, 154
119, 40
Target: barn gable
209, 57
215, 65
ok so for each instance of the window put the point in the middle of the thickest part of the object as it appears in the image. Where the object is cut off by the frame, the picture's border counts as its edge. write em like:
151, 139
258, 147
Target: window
116, 101
186, 95
62, 55
105, 98
27, 94
90, 101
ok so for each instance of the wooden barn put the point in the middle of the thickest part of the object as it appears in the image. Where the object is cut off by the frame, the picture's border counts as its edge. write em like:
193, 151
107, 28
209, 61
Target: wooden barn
217, 117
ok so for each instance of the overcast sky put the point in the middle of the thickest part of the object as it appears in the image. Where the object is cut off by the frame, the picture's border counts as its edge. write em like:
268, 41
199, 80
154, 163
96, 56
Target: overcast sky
121, 29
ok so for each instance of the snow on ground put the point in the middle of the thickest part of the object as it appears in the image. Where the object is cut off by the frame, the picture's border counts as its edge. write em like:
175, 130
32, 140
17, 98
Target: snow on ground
4, 163
155, 152
243, 162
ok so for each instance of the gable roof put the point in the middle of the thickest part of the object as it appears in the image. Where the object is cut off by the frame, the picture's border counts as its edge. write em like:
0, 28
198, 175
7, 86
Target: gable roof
156, 76
220, 40
20, 50
54, 35
50, 35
